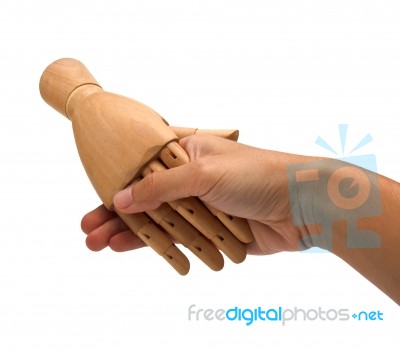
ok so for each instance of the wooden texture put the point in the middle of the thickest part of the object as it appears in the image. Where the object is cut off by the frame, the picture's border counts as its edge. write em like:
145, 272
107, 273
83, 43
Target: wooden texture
173, 155
115, 136
193, 210
231, 134
66, 75
184, 233
146, 230
118, 139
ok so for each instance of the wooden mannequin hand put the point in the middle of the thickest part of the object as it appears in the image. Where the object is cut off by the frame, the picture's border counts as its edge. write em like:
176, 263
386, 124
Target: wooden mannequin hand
240, 180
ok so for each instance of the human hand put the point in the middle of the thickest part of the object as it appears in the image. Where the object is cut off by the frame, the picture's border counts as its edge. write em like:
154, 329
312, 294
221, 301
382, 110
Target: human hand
237, 179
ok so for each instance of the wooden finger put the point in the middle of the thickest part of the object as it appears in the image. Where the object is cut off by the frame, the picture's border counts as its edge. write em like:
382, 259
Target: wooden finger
184, 233
198, 215
173, 155
231, 134
238, 226
145, 229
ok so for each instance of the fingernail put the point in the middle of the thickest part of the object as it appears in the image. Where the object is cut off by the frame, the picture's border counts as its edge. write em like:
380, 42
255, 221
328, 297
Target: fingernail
123, 199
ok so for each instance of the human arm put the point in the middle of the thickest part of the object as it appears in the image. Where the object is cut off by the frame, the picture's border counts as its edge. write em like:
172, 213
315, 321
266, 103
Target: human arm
253, 183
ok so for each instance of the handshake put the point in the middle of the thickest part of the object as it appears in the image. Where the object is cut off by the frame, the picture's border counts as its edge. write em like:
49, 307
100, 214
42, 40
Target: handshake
120, 141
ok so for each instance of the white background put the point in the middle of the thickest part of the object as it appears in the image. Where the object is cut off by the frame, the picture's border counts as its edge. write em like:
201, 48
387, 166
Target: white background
283, 72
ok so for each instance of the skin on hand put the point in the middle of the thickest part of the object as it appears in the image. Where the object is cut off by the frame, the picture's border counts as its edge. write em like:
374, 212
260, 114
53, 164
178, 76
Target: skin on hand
237, 179
252, 183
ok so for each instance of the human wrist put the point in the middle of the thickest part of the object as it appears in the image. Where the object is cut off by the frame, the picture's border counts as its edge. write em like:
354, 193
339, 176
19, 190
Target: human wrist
325, 191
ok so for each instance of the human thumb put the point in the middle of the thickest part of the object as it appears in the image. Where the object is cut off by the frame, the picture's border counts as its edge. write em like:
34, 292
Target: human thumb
158, 187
